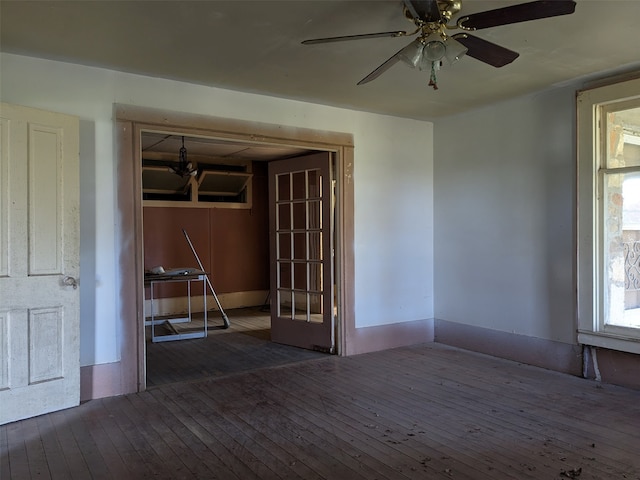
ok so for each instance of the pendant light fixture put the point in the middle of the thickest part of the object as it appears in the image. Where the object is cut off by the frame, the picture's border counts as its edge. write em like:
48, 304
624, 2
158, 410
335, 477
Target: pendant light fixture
184, 168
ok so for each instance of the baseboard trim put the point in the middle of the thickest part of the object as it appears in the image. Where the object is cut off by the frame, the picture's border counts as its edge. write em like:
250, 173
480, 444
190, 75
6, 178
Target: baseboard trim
99, 381
104, 380
610, 366
383, 337
173, 305
558, 356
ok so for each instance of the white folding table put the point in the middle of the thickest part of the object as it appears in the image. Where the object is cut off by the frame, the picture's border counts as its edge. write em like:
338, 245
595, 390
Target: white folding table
188, 277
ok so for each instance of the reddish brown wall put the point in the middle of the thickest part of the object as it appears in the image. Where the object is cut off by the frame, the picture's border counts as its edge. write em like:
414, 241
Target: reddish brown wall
233, 244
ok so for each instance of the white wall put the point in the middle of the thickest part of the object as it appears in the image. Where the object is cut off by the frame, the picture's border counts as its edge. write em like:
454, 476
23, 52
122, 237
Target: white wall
393, 184
394, 222
504, 213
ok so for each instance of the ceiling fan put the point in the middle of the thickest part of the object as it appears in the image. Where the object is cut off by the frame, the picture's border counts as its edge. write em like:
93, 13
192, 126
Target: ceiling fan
433, 45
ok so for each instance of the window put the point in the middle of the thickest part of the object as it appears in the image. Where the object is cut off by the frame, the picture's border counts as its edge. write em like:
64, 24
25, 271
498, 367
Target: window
160, 183
223, 185
609, 216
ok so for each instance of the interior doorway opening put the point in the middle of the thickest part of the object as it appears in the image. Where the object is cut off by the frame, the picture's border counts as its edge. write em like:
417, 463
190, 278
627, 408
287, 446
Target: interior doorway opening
131, 122
215, 192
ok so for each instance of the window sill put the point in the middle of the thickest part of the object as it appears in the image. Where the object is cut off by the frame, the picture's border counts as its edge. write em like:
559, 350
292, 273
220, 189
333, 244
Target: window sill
612, 342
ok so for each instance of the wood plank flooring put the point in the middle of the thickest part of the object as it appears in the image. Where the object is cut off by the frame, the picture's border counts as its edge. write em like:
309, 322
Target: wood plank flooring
244, 346
423, 412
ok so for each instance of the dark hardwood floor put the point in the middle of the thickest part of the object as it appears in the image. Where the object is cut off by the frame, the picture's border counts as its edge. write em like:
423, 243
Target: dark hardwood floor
244, 346
423, 412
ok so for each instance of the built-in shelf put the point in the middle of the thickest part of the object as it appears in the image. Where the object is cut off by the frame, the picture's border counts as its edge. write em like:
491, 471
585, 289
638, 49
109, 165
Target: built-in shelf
217, 186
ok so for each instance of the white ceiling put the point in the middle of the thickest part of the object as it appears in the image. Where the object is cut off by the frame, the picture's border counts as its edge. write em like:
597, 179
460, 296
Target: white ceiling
254, 46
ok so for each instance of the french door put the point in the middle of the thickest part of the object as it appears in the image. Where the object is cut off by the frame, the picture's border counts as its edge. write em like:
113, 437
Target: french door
301, 256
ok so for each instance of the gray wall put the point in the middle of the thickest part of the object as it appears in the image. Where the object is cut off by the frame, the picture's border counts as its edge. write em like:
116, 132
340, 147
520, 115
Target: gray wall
504, 190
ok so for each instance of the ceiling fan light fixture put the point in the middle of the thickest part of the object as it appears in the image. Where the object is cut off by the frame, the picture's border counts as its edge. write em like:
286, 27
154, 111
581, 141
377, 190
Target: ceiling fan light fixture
412, 53
455, 50
434, 47
428, 66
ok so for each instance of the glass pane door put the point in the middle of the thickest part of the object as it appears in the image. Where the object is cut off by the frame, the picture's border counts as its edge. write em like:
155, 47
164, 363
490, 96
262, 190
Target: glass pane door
301, 285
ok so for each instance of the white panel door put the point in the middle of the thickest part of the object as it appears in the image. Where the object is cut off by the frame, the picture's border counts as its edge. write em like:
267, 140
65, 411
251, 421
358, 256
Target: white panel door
300, 211
39, 262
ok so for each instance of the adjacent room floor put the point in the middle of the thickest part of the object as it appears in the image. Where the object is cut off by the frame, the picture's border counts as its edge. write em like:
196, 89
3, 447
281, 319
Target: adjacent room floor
244, 346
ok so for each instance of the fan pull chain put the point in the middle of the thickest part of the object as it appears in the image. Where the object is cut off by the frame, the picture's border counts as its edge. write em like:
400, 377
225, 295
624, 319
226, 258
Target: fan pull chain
433, 82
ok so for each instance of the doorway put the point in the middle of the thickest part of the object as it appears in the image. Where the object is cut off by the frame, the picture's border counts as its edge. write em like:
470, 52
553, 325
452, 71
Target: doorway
206, 207
133, 121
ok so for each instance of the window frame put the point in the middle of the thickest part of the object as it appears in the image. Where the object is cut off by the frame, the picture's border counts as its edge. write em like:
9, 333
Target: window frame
591, 105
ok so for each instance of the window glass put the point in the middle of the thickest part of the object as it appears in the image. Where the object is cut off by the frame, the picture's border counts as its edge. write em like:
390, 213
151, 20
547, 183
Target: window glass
620, 218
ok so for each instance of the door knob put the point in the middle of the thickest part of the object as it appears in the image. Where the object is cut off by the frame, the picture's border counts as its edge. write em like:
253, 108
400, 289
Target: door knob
70, 281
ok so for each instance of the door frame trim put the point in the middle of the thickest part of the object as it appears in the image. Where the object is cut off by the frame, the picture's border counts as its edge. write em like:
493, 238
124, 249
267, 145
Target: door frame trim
130, 122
